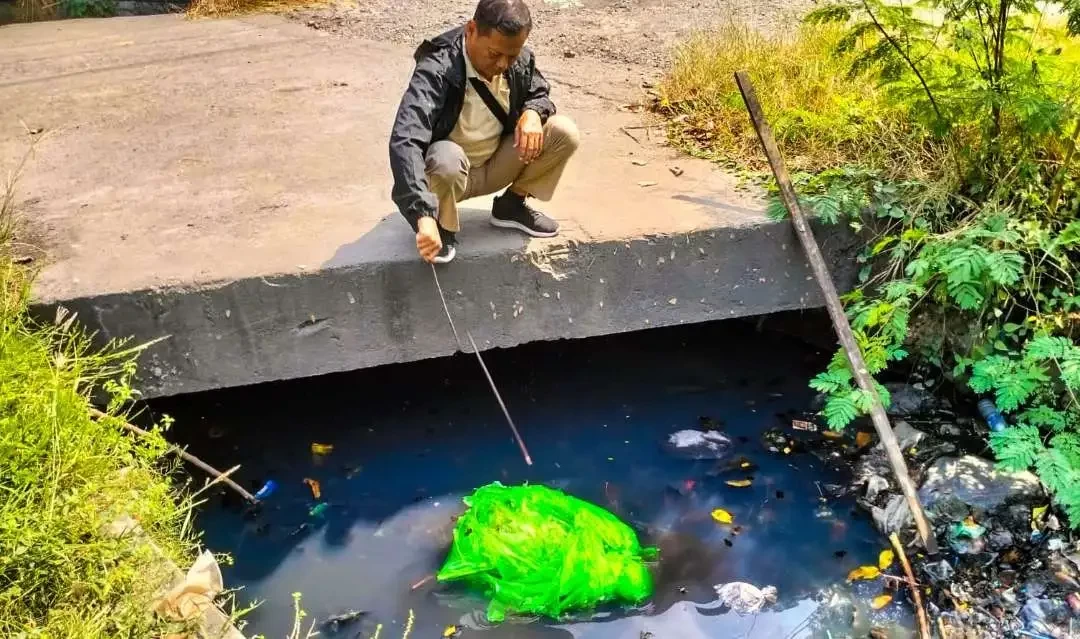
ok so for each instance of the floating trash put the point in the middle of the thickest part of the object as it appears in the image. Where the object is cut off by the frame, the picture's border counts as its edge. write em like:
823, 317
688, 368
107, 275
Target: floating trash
533, 549
267, 489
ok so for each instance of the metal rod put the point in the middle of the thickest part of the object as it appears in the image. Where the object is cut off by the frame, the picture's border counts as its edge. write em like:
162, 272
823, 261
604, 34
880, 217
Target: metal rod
836, 310
483, 366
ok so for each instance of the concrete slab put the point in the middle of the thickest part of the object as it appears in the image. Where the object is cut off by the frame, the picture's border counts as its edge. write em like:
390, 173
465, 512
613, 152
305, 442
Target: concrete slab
226, 183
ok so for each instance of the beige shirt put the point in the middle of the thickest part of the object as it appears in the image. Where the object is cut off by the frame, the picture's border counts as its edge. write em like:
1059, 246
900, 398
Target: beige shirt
477, 130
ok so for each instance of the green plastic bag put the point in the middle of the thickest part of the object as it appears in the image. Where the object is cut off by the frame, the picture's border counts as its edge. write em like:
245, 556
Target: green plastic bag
536, 550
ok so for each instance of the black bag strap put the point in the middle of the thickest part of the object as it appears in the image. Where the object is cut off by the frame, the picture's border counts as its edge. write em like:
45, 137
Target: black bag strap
492, 104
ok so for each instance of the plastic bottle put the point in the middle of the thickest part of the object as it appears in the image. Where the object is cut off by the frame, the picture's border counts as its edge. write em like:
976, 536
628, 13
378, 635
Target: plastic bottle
268, 489
990, 413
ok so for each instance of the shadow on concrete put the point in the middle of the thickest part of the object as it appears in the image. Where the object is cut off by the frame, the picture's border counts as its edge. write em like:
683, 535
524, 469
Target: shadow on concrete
715, 205
391, 240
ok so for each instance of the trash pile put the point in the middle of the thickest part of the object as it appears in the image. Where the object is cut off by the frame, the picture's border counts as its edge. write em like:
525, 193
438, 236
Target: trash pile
536, 550
1007, 567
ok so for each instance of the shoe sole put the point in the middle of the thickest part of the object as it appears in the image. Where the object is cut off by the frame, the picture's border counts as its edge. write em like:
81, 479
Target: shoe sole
449, 256
518, 226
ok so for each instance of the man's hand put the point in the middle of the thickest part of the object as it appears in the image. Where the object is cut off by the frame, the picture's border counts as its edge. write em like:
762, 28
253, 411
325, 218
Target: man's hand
428, 242
529, 136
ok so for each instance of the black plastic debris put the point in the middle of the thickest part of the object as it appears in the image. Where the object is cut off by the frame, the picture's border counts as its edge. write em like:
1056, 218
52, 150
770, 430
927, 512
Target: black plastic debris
335, 623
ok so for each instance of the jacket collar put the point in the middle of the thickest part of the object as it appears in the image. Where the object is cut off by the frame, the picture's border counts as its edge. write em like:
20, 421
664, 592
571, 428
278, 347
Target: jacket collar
451, 41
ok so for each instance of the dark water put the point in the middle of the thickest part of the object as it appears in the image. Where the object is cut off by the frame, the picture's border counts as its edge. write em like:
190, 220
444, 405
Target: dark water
410, 440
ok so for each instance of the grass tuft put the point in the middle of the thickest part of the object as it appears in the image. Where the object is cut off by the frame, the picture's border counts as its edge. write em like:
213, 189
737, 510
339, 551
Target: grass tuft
820, 116
65, 477
225, 8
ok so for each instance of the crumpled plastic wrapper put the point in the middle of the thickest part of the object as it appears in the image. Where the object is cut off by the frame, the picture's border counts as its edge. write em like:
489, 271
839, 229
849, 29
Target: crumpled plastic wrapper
195, 594
744, 598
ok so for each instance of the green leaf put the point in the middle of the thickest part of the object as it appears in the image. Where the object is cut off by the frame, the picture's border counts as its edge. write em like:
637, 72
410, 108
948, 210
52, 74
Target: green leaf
839, 411
776, 210
831, 381
1044, 416
829, 13
1048, 347
1068, 445
1006, 267
964, 265
1016, 447
917, 268
967, 295
1054, 469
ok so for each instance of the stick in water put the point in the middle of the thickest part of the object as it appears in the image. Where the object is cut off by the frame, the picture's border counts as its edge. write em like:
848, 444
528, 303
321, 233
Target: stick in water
924, 624
483, 366
186, 456
836, 310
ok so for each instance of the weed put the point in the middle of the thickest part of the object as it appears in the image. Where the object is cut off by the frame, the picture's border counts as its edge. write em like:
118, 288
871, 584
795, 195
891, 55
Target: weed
971, 209
820, 117
89, 8
65, 477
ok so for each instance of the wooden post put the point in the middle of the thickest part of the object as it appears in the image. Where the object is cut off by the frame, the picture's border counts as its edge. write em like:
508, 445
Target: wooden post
836, 310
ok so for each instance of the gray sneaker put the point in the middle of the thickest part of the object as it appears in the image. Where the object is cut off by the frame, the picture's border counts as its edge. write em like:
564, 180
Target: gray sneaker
510, 211
448, 252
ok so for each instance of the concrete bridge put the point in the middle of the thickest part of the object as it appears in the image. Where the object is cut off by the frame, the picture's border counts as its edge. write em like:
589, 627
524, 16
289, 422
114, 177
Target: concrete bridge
224, 183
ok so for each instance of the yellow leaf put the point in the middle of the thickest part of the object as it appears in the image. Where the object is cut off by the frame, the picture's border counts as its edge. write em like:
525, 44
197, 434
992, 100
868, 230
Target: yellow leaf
321, 449
745, 464
862, 439
864, 572
885, 559
880, 601
787, 450
1037, 515
450, 631
739, 483
316, 489
832, 434
722, 516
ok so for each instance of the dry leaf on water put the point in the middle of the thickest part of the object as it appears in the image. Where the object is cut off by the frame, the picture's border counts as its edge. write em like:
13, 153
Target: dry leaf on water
879, 602
316, 489
864, 572
722, 516
832, 434
885, 559
739, 483
321, 449
862, 439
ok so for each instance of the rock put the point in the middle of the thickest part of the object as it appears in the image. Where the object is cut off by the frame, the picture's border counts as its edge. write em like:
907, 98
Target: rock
955, 486
909, 400
697, 444
906, 435
1000, 540
874, 486
894, 517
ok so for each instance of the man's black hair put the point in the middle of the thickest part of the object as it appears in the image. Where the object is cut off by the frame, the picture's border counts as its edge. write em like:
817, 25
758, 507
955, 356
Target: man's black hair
509, 17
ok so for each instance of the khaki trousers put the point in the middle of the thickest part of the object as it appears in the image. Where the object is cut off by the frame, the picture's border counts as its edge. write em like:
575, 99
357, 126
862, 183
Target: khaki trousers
452, 180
